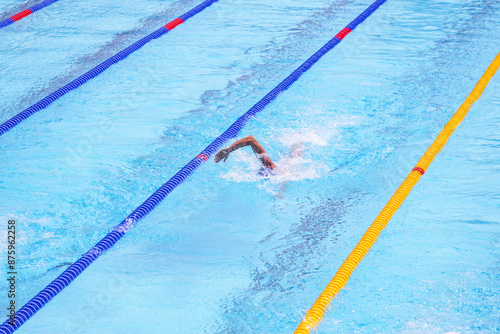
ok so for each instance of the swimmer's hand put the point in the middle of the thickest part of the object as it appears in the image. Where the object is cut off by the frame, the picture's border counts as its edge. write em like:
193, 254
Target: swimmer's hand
223, 154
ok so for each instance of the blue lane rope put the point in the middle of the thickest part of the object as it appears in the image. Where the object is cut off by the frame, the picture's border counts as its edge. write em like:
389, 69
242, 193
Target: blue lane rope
63, 280
25, 13
45, 102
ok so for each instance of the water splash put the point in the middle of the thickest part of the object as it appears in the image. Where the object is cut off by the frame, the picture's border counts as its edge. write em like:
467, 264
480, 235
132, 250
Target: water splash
293, 162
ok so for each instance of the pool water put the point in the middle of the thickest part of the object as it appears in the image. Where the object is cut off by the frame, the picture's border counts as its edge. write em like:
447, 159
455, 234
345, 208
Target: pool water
229, 251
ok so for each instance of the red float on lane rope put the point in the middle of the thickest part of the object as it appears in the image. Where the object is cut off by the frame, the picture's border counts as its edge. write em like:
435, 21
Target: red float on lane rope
420, 170
174, 24
343, 33
202, 156
22, 14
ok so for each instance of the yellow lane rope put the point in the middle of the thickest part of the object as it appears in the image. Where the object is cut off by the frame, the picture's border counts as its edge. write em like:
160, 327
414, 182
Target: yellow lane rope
319, 308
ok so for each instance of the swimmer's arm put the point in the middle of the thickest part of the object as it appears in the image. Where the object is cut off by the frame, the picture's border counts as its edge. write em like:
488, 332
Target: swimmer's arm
247, 141
250, 140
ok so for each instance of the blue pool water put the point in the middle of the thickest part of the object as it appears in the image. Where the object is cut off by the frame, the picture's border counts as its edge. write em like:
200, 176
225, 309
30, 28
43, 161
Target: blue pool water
224, 253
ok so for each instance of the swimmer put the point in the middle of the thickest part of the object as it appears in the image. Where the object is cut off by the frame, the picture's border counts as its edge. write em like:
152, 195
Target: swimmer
256, 147
269, 166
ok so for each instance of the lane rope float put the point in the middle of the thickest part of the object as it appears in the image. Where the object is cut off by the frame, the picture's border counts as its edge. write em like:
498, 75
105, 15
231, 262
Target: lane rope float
319, 308
64, 279
25, 13
48, 100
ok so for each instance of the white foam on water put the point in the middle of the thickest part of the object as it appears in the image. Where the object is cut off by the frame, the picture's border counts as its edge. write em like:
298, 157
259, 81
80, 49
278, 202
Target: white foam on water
293, 162
291, 168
